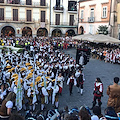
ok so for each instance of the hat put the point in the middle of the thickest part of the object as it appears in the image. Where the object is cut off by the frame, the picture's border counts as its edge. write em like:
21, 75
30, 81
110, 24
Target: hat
38, 79
18, 66
8, 66
30, 67
12, 69
32, 70
22, 69
15, 75
27, 64
9, 70
32, 84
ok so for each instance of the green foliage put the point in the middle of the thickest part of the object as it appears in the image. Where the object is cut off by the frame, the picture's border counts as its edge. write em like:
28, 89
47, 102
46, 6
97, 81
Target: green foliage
103, 30
20, 51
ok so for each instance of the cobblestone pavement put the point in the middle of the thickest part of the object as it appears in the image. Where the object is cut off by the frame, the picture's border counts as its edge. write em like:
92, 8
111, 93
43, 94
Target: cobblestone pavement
95, 68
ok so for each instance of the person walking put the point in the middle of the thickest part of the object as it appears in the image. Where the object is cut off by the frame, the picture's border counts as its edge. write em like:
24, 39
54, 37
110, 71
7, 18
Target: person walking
71, 81
113, 91
80, 80
98, 92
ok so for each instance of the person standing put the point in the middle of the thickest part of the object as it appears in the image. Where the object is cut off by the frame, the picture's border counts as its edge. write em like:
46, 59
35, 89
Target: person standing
60, 80
113, 91
80, 80
71, 81
98, 92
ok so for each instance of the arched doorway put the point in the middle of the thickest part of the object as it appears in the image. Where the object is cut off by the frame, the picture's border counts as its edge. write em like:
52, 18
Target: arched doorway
81, 30
42, 32
26, 31
56, 33
8, 31
70, 33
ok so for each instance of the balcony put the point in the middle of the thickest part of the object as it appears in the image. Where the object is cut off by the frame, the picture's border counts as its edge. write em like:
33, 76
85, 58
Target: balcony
64, 25
23, 4
21, 20
91, 19
72, 10
58, 8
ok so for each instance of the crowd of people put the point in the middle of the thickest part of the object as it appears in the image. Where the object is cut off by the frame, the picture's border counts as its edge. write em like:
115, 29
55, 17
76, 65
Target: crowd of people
37, 75
107, 54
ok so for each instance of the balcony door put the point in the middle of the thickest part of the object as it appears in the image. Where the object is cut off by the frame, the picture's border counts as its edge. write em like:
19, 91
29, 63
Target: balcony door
29, 15
92, 13
71, 22
1, 13
42, 16
58, 3
28, 2
15, 14
42, 2
57, 22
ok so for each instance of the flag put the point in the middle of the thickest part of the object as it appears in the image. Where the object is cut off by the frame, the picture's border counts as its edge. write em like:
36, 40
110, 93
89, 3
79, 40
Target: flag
19, 94
34, 95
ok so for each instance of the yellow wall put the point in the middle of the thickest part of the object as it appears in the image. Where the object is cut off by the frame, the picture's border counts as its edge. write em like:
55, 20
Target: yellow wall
118, 13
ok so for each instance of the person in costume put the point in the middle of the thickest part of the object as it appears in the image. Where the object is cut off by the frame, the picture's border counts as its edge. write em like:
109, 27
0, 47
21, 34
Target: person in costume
71, 81
80, 80
98, 92
60, 80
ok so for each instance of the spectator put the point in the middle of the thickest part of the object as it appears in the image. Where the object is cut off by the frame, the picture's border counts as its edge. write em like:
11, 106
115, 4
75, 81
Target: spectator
83, 114
7, 104
97, 113
113, 91
110, 114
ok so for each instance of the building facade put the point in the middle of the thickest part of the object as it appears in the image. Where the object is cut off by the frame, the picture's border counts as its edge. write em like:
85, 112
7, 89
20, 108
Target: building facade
24, 17
63, 17
92, 14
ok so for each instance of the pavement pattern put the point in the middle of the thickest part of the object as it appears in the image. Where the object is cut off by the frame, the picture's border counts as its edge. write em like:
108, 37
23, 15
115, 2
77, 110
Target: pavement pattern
95, 68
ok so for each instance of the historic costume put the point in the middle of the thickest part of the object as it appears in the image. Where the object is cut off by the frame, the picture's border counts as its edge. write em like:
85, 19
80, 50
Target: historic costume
71, 81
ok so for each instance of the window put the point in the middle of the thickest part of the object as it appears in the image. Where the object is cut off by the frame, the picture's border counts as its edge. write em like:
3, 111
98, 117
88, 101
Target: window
57, 22
42, 2
1, 13
29, 15
28, 2
1, 1
82, 14
15, 14
92, 13
72, 5
71, 22
42, 16
104, 12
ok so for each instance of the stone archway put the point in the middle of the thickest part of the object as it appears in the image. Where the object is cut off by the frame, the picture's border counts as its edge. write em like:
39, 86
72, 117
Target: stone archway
56, 33
27, 31
8, 31
81, 30
42, 32
70, 33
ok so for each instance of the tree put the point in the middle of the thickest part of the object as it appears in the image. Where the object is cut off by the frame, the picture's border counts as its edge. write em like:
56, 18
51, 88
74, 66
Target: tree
103, 30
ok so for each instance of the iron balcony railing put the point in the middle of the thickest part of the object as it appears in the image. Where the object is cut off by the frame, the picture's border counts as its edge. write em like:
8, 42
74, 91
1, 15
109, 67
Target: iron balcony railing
91, 19
46, 21
63, 24
58, 8
20, 20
